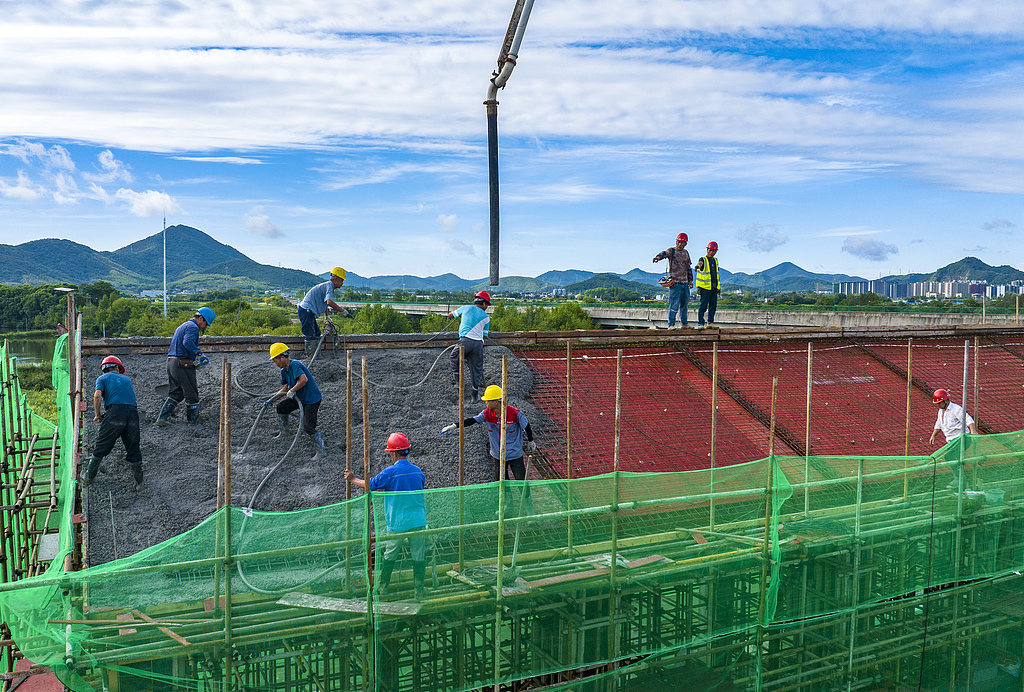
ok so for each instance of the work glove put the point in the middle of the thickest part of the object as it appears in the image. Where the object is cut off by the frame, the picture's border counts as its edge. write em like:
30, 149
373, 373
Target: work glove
345, 313
290, 394
531, 446
202, 360
268, 403
448, 428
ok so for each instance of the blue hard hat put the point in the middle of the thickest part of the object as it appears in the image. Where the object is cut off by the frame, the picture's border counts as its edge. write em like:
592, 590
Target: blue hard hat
207, 314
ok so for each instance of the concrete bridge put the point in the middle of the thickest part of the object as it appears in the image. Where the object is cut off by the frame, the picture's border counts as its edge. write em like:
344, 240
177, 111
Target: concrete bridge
656, 316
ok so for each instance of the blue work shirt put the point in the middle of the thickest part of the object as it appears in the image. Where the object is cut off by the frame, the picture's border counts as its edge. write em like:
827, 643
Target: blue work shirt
475, 322
405, 510
310, 393
185, 342
315, 299
116, 389
515, 424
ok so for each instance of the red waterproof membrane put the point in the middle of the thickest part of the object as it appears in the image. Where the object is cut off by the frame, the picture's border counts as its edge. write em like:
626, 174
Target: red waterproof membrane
859, 399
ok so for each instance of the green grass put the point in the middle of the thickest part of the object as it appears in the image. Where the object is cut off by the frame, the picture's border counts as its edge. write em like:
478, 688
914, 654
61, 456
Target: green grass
43, 403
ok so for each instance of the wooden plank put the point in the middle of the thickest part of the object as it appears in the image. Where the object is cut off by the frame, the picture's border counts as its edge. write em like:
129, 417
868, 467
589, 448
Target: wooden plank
126, 617
348, 605
176, 637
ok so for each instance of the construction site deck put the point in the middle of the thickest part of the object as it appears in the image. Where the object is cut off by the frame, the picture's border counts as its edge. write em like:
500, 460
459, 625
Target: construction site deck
750, 509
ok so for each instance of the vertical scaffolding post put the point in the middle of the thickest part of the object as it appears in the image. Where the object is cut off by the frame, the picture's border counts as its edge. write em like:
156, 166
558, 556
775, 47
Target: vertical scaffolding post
855, 577
766, 552
974, 474
462, 447
714, 426
568, 440
348, 465
613, 571
807, 440
906, 439
229, 667
371, 655
500, 562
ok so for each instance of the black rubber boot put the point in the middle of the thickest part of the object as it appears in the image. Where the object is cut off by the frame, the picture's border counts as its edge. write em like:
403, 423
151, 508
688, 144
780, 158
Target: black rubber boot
310, 348
419, 571
386, 568
90, 471
318, 442
166, 412
282, 425
137, 473
193, 414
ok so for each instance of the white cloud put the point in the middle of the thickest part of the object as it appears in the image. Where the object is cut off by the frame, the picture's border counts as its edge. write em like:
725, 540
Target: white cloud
148, 203
869, 248
447, 222
258, 223
759, 238
459, 246
111, 169
238, 160
21, 190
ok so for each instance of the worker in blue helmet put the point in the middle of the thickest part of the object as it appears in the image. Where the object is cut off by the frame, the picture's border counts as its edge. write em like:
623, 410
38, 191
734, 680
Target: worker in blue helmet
183, 357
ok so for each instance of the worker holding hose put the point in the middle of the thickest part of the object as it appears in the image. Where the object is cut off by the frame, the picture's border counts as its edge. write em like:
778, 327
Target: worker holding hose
114, 391
317, 300
517, 428
473, 328
296, 383
404, 510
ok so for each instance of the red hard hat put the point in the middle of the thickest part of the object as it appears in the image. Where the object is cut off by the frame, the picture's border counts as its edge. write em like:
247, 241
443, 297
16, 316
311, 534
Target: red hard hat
484, 295
397, 442
712, 245
939, 396
112, 360
682, 237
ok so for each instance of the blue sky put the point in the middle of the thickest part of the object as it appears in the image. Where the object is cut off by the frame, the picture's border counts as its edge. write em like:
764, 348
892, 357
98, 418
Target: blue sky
865, 137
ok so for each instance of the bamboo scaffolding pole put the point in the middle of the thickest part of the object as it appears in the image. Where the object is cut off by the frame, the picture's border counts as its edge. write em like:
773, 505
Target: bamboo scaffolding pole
766, 550
371, 564
499, 591
910, 387
714, 427
568, 441
958, 528
462, 447
855, 577
229, 667
974, 474
807, 428
348, 465
613, 569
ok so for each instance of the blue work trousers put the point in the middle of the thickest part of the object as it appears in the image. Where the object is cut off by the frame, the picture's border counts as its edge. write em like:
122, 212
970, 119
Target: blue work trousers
708, 304
307, 319
678, 299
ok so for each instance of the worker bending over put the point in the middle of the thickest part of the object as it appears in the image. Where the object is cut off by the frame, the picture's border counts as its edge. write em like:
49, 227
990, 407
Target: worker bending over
404, 510
516, 427
296, 383
114, 391
315, 303
475, 325
955, 423
183, 357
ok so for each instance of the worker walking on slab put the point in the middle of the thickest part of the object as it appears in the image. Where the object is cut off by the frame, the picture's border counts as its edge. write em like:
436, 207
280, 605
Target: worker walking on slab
404, 510
115, 393
318, 300
473, 328
679, 280
296, 383
183, 357
708, 286
955, 423
518, 434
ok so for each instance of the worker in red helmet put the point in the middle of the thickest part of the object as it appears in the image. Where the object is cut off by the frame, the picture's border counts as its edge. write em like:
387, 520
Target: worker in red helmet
708, 286
474, 326
115, 393
679, 280
955, 423
404, 510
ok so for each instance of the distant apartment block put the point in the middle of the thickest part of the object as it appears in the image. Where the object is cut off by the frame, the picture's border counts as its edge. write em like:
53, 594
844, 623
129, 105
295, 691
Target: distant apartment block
928, 289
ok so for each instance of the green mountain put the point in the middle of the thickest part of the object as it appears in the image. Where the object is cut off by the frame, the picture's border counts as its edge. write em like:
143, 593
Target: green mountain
614, 281
973, 269
194, 260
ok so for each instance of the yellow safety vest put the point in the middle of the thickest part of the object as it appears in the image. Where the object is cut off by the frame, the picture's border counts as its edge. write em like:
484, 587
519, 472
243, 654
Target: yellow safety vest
704, 272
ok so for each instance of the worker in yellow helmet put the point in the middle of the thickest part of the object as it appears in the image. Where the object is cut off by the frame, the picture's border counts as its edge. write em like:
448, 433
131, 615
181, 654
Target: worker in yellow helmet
319, 299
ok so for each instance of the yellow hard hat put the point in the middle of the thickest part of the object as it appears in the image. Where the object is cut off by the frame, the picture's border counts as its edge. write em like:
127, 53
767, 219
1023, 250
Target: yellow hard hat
339, 272
492, 393
277, 349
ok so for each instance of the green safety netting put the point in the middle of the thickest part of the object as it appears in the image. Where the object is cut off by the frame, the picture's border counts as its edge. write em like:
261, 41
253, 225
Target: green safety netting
787, 573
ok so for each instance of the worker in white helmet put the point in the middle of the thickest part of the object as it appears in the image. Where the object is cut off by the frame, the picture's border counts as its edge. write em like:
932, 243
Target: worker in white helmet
318, 300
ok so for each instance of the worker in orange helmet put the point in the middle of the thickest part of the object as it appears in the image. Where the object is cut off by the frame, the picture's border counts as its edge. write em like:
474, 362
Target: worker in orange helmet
679, 281
955, 423
404, 510
114, 391
473, 328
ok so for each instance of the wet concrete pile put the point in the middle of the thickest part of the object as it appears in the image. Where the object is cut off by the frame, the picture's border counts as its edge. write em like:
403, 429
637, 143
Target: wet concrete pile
180, 462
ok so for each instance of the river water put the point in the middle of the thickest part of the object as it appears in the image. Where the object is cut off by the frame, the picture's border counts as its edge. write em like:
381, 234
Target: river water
30, 350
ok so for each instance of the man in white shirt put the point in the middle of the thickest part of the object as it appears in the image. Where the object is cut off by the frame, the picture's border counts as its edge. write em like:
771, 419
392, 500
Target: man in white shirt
953, 421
